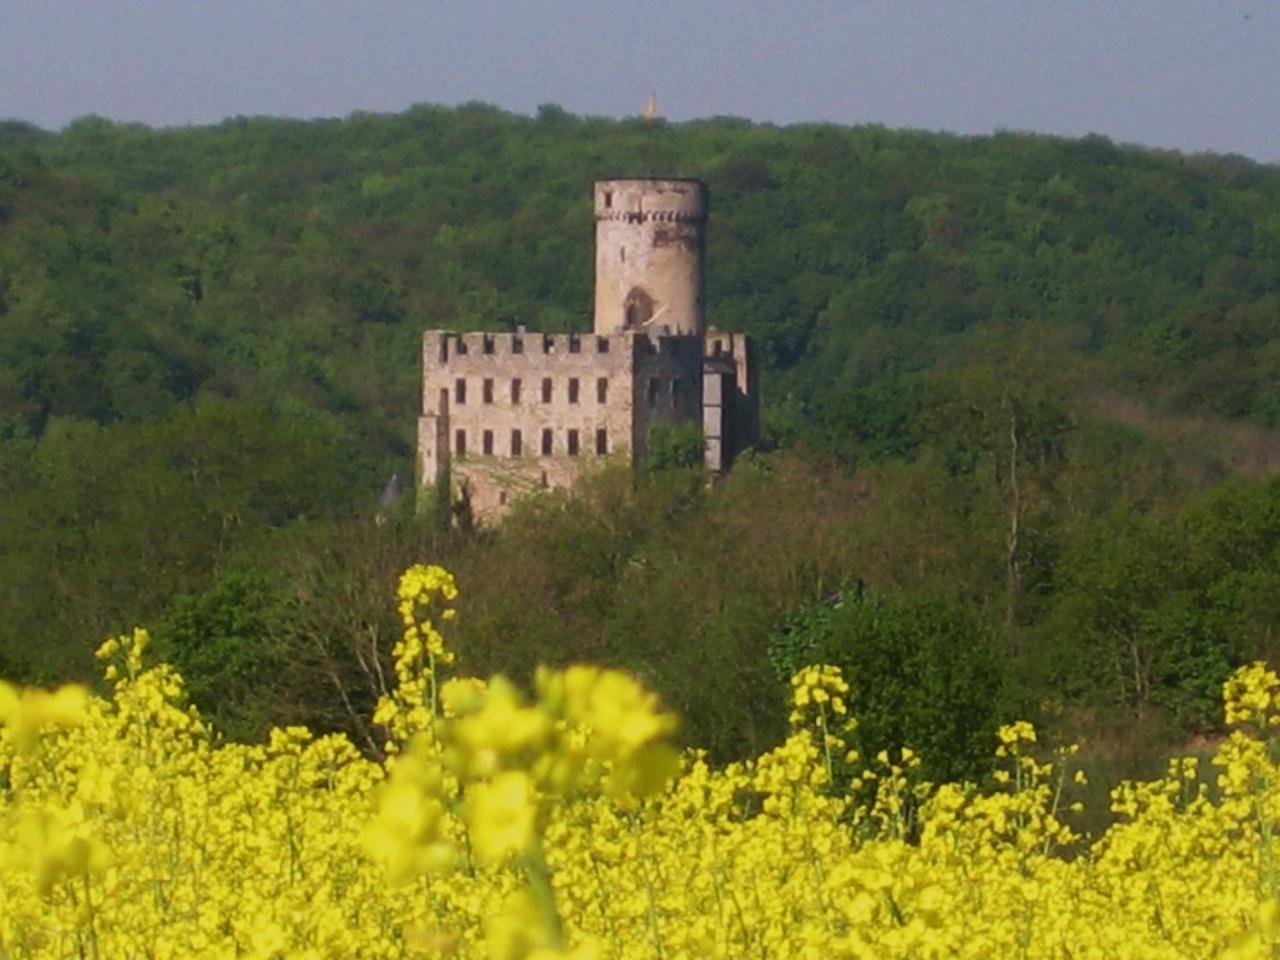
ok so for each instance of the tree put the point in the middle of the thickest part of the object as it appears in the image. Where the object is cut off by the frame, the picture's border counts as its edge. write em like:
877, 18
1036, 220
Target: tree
225, 643
923, 673
678, 446
1131, 622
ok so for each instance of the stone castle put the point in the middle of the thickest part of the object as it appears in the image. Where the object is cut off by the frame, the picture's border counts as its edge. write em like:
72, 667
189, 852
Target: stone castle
506, 414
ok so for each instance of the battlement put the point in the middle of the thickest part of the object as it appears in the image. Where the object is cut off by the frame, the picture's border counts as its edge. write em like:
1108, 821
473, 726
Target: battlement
651, 216
641, 200
443, 347
719, 343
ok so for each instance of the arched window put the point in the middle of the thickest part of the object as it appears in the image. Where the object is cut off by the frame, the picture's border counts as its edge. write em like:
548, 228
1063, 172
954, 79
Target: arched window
638, 307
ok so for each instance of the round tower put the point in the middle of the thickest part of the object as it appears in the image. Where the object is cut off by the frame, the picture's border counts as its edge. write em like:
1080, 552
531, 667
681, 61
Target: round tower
650, 244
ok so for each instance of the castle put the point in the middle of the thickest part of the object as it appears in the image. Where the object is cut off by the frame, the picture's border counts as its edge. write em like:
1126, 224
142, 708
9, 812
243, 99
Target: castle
506, 414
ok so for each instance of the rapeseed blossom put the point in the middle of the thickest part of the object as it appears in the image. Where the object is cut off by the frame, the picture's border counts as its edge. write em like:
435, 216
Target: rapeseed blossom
561, 823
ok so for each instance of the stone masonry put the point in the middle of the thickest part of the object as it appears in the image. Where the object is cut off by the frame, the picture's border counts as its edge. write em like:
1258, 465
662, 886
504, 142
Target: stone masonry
506, 414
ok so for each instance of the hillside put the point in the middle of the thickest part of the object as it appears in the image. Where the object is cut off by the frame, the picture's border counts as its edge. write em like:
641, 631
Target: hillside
990, 362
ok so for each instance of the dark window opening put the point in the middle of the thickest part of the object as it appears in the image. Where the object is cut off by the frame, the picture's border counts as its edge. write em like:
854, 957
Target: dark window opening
573, 389
488, 343
602, 344
546, 443
487, 391
575, 343
602, 441
502, 498
602, 390
515, 390
517, 344
460, 391
622, 254
460, 443
546, 389
486, 442
653, 392
573, 443
608, 199
462, 345
638, 308
517, 443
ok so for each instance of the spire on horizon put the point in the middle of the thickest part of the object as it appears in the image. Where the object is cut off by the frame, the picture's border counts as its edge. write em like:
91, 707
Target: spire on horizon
651, 108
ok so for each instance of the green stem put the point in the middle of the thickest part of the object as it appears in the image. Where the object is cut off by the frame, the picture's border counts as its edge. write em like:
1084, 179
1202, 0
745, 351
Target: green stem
88, 906
544, 896
826, 745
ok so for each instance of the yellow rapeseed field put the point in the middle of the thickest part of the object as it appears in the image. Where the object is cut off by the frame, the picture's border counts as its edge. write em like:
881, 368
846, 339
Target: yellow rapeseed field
566, 825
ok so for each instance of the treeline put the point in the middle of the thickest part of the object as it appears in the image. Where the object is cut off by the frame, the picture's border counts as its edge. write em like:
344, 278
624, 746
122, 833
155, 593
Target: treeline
1022, 389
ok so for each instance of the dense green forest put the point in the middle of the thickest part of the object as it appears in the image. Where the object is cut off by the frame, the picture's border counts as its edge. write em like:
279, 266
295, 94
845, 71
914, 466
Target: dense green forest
1022, 414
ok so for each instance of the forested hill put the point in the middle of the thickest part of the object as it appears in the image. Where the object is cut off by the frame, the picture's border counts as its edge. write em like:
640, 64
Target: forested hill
296, 262
977, 350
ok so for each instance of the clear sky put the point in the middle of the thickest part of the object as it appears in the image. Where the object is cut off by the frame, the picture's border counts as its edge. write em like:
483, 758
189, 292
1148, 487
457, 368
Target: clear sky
1188, 74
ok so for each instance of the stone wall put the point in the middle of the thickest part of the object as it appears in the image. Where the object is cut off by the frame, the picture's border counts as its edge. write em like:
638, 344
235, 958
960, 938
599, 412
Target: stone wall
505, 414
739, 417
650, 240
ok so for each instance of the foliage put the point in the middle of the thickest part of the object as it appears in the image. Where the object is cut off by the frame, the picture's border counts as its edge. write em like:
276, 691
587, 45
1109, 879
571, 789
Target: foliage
176, 494
974, 349
565, 826
225, 641
1164, 610
677, 446
923, 673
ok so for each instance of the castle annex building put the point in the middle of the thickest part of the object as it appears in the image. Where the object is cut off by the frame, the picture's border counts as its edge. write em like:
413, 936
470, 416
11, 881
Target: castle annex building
505, 414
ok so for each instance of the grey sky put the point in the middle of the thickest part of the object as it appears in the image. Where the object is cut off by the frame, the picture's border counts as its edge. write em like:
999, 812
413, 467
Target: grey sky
1190, 74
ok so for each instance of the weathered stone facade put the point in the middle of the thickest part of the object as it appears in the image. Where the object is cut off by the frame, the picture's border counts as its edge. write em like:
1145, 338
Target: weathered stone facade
505, 414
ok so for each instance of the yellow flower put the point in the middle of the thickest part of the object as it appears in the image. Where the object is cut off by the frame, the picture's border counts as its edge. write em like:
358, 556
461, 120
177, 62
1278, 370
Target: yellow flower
500, 816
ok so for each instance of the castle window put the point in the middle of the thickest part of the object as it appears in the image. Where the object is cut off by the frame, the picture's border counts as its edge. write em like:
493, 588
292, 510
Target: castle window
486, 441
460, 442
573, 443
608, 199
517, 344
622, 254
488, 343
515, 390
462, 345
573, 389
638, 308
517, 443
575, 343
653, 392
602, 441
460, 391
546, 389
602, 390
488, 390
602, 344
546, 442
